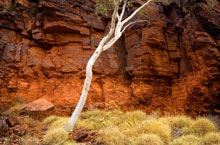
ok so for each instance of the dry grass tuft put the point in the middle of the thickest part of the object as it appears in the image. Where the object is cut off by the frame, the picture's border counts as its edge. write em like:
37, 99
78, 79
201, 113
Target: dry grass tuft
29, 140
111, 136
56, 136
92, 113
200, 127
177, 124
187, 140
29, 121
50, 119
69, 142
60, 123
148, 139
135, 128
137, 115
180, 122
156, 127
211, 139
96, 119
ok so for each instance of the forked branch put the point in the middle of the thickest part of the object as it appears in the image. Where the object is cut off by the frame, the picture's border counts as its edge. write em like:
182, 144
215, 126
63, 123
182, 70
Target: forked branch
113, 35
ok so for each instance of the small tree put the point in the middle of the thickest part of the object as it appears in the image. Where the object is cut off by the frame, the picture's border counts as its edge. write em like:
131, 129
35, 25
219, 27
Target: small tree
117, 27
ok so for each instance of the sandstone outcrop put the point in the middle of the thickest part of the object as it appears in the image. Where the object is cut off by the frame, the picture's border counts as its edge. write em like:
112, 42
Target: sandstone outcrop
170, 65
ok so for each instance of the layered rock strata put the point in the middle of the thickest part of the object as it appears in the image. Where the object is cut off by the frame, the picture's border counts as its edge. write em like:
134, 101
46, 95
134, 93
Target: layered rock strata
170, 65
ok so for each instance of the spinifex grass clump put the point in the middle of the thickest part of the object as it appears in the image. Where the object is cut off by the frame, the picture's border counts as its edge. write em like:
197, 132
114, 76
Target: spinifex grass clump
50, 119
200, 127
148, 139
97, 119
211, 139
56, 136
112, 136
135, 128
156, 127
177, 124
180, 122
136, 115
56, 133
187, 140
29, 140
59, 123
69, 142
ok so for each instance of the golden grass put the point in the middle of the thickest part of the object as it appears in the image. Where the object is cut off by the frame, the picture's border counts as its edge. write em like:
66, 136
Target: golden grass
156, 127
136, 115
50, 119
56, 133
97, 119
111, 136
69, 142
148, 139
29, 140
135, 128
59, 123
187, 140
200, 127
92, 113
56, 136
211, 139
180, 121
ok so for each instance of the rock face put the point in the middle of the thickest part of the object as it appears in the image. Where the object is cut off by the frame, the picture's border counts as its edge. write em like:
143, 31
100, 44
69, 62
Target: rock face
170, 65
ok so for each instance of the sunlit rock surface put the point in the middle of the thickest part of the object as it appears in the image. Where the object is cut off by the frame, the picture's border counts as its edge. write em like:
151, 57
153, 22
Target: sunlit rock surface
170, 65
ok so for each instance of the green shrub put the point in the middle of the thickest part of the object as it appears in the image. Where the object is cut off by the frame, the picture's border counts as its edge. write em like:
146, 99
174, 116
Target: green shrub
211, 139
187, 140
148, 139
200, 127
55, 136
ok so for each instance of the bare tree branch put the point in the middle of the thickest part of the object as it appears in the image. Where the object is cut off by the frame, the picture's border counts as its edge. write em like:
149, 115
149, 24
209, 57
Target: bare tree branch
131, 23
123, 10
135, 12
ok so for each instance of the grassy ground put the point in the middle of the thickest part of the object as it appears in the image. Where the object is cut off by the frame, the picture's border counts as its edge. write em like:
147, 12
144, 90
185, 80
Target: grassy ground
136, 128
124, 128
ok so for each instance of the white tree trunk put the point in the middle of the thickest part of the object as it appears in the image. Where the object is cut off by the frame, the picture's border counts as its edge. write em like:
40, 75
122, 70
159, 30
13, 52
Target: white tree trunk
116, 31
84, 94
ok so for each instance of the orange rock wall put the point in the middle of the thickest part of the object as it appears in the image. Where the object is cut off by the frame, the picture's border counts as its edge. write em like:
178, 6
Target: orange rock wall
170, 65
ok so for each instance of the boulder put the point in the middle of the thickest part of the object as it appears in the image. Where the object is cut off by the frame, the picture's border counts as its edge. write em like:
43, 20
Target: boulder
39, 105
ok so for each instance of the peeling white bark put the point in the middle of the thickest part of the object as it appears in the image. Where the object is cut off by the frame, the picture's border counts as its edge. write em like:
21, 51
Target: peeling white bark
114, 33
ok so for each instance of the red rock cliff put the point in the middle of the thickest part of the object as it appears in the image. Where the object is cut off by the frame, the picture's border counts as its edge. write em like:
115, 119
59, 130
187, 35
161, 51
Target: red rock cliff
170, 65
